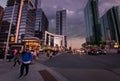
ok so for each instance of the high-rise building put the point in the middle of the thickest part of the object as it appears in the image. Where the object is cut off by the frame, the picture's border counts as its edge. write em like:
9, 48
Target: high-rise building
104, 28
61, 24
110, 24
9, 19
92, 22
21, 16
41, 24
1, 14
11, 2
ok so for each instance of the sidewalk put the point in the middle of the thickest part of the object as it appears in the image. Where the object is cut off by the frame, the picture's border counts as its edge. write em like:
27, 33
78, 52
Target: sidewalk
37, 72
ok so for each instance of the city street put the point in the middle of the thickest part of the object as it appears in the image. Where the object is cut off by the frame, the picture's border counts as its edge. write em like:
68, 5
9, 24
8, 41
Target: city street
86, 67
60, 40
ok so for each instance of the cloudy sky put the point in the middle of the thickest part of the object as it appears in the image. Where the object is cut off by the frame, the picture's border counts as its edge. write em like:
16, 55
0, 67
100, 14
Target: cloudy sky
75, 15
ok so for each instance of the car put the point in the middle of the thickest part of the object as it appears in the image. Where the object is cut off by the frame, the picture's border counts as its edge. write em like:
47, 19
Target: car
101, 51
93, 52
118, 51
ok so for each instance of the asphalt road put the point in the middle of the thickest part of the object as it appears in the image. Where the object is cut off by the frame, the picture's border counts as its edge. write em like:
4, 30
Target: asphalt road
77, 67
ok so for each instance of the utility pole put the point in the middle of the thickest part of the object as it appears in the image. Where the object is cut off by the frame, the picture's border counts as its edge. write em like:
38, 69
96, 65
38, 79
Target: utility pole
9, 32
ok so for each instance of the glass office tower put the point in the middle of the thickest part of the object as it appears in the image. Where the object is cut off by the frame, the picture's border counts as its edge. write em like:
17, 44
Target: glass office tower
18, 13
26, 19
61, 24
27, 23
105, 30
92, 22
1, 14
41, 24
6, 21
110, 24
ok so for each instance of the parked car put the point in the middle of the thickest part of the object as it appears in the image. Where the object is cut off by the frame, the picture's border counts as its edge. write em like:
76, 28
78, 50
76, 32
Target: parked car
101, 51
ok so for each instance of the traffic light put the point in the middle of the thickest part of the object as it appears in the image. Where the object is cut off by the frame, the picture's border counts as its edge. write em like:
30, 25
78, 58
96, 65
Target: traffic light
12, 39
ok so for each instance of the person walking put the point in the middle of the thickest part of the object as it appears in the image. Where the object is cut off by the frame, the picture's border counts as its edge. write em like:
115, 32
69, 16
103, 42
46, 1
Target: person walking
35, 54
26, 60
16, 57
11, 56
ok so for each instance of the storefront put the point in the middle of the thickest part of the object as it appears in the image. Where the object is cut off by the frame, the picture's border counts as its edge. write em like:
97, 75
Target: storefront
32, 43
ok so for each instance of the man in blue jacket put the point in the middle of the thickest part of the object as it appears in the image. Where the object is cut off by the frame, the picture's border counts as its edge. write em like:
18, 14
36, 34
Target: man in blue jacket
26, 60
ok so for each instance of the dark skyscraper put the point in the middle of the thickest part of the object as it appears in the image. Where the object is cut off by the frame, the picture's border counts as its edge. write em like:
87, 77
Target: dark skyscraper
22, 16
41, 24
1, 15
110, 24
11, 2
61, 24
9, 19
92, 22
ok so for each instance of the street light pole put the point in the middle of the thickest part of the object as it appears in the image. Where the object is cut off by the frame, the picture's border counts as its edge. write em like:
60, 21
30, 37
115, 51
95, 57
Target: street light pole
18, 21
9, 32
